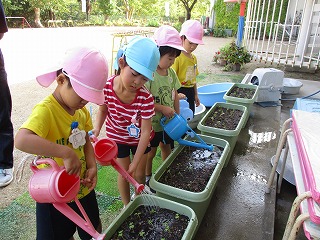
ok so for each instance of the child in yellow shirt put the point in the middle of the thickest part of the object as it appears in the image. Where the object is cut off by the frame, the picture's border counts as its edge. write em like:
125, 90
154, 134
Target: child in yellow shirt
186, 64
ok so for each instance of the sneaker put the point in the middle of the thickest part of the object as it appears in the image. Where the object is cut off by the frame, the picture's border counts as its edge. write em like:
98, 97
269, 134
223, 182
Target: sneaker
6, 177
133, 196
148, 188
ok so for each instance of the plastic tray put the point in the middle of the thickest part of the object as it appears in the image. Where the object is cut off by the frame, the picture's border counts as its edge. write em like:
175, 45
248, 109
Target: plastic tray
198, 201
229, 135
151, 200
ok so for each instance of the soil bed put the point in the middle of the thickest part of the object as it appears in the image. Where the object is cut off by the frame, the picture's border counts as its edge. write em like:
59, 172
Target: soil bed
149, 222
240, 92
192, 169
224, 118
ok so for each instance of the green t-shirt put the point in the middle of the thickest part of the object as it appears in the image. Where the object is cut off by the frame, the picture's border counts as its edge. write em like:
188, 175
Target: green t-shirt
162, 89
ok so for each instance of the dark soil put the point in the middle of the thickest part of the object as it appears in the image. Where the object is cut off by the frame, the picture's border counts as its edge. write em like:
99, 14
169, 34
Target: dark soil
224, 118
147, 222
241, 92
192, 169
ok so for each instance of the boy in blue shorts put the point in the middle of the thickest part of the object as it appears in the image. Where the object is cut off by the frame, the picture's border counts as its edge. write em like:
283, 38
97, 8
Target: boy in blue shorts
164, 90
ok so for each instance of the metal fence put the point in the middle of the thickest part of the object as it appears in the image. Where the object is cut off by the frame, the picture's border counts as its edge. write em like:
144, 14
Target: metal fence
284, 32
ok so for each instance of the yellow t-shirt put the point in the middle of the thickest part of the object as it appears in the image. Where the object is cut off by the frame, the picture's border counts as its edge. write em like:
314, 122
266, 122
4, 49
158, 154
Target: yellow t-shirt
186, 69
50, 121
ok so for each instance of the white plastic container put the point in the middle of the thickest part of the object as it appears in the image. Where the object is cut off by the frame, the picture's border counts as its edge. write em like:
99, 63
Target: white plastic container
198, 114
291, 86
270, 82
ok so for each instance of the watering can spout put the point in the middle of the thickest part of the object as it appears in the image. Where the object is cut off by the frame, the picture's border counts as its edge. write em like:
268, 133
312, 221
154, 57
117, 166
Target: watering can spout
195, 144
84, 223
139, 187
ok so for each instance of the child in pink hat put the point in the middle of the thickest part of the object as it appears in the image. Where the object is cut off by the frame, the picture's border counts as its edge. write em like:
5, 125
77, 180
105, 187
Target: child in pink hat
57, 128
186, 64
164, 90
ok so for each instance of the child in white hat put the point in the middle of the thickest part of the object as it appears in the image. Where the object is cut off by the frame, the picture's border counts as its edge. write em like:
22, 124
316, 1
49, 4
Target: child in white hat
57, 129
164, 90
186, 64
128, 109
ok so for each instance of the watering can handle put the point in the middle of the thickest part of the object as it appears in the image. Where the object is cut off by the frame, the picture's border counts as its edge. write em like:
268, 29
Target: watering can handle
164, 119
37, 161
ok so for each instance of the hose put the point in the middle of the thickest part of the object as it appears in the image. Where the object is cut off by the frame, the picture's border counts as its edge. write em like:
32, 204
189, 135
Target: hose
293, 99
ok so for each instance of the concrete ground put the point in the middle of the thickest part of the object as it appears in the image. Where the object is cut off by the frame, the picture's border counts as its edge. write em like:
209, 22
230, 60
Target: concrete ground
240, 209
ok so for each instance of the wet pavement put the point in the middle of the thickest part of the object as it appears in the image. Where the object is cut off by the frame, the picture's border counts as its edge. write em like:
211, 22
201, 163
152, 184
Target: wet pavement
240, 208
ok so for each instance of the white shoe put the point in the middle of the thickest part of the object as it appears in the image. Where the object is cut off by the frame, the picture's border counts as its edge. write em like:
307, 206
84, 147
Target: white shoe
149, 190
6, 176
133, 196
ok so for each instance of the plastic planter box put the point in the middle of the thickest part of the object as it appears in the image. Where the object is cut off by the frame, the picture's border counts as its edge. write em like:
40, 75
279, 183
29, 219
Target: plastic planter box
151, 200
198, 201
229, 135
242, 101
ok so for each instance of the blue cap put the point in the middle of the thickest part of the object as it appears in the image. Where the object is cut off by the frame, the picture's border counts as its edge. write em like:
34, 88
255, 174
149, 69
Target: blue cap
142, 55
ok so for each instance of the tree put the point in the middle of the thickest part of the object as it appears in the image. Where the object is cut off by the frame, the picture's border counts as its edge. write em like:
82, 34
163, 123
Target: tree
88, 8
105, 7
188, 5
50, 5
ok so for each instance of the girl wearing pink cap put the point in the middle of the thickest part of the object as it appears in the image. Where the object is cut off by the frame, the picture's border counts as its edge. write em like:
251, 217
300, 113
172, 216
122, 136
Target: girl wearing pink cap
164, 90
186, 64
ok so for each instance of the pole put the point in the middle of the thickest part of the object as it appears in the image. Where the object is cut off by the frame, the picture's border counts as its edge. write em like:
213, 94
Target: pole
241, 24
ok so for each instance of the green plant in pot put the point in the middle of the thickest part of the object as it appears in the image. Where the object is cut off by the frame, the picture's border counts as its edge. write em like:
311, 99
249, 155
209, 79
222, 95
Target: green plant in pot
221, 55
235, 56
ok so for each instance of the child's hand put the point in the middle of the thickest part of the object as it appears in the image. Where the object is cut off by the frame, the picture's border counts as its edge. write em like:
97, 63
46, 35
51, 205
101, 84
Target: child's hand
90, 179
181, 96
168, 112
197, 101
95, 132
72, 163
132, 169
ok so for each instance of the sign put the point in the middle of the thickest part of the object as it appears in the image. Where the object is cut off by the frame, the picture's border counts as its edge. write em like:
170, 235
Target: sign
83, 5
167, 8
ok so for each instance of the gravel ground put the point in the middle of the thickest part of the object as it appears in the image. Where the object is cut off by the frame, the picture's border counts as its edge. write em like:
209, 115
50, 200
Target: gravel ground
26, 94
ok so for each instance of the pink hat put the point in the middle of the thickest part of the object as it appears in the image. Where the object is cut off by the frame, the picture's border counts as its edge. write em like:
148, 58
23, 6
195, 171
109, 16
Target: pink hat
168, 36
193, 31
87, 70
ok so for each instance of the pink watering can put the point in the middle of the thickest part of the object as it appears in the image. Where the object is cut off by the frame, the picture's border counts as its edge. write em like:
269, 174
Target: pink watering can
54, 185
106, 151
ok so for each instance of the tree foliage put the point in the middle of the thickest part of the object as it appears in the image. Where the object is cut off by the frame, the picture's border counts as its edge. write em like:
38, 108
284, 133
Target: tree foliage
129, 10
226, 15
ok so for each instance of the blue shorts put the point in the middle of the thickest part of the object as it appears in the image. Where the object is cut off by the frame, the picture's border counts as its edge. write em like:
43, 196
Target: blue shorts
53, 225
124, 150
161, 137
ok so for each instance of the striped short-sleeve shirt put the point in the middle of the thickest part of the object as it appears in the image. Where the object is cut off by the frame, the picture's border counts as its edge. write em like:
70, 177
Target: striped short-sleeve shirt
119, 115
